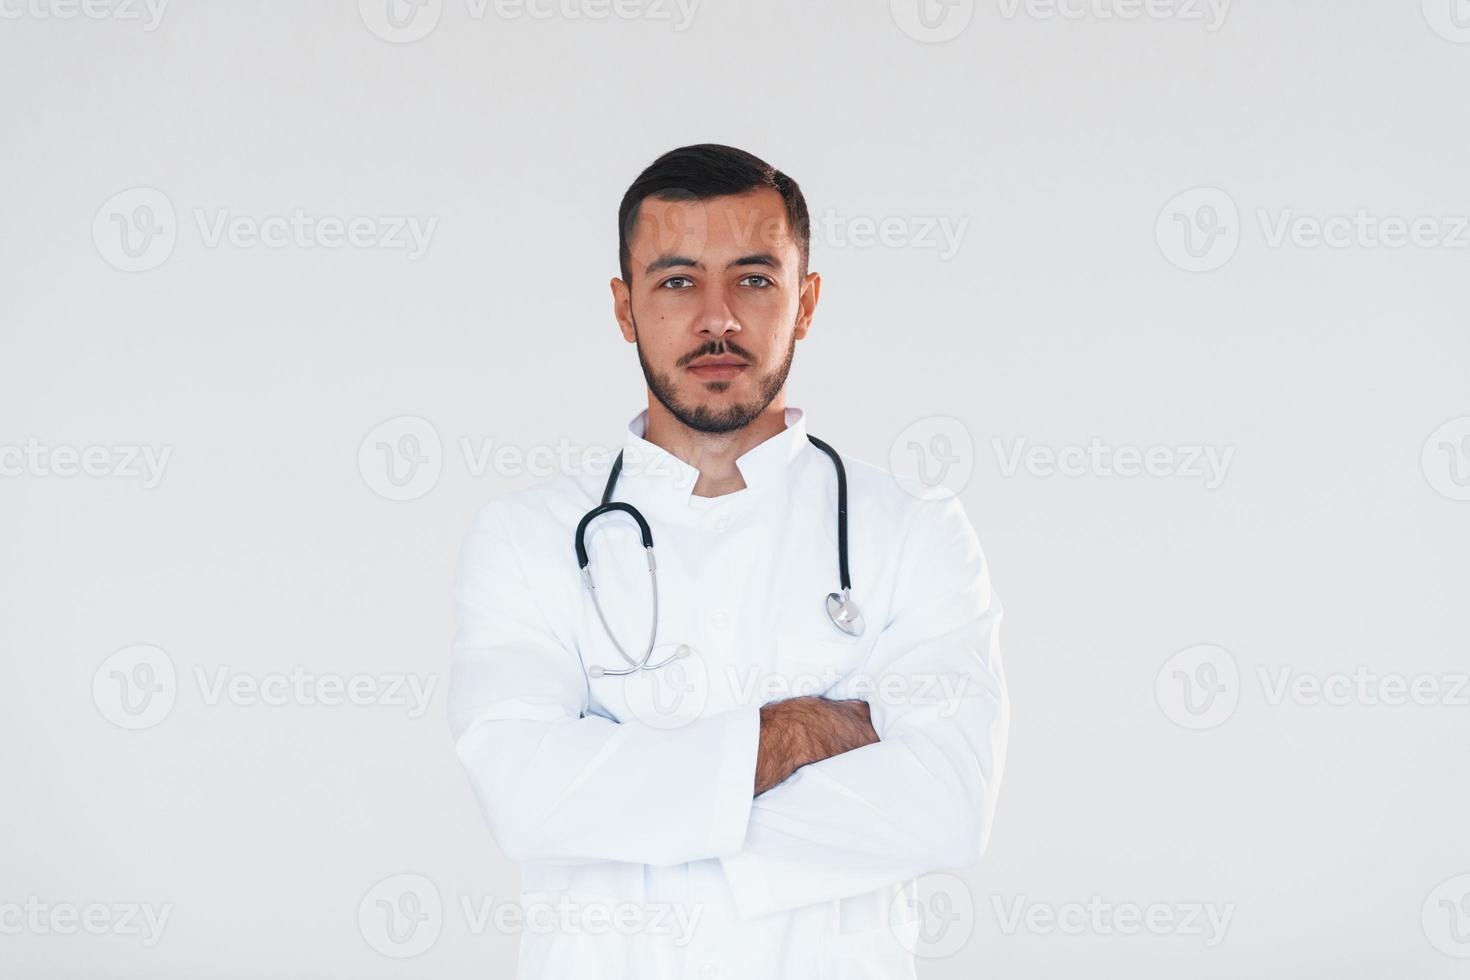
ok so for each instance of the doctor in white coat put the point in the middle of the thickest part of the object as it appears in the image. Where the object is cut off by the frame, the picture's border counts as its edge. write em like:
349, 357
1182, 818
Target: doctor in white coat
761, 803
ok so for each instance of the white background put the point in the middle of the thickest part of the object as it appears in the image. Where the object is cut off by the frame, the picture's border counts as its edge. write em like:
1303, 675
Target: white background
1332, 832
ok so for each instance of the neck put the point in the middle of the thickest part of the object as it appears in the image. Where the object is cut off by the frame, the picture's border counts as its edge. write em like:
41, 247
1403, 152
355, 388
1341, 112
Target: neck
713, 453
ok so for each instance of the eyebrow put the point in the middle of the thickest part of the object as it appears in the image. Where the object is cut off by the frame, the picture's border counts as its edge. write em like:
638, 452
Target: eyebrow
765, 259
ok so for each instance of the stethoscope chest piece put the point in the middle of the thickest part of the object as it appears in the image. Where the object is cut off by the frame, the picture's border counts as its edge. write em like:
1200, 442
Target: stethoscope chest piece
845, 613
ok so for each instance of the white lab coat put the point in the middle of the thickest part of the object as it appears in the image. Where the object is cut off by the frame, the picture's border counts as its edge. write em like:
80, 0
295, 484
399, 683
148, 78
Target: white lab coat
628, 799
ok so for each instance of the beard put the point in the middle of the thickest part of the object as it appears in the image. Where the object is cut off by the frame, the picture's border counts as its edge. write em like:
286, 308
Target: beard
702, 418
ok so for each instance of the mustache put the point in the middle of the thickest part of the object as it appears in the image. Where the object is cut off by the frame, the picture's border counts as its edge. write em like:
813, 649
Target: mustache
715, 349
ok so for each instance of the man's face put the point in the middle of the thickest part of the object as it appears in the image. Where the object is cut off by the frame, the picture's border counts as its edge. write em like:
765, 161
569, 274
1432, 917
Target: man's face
716, 305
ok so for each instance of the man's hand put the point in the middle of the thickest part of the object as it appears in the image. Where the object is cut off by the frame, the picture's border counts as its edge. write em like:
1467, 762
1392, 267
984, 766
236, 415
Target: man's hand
799, 731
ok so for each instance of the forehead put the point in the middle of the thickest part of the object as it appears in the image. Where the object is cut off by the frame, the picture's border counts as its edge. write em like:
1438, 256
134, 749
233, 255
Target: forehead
724, 227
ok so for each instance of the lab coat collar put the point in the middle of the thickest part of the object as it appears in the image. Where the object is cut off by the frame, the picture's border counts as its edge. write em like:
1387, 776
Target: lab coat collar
651, 470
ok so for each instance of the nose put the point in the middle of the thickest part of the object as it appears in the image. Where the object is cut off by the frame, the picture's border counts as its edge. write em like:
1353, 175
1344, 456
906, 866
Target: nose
716, 320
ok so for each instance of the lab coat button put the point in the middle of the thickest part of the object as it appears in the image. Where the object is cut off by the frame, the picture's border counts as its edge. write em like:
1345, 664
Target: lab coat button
720, 620
709, 972
722, 522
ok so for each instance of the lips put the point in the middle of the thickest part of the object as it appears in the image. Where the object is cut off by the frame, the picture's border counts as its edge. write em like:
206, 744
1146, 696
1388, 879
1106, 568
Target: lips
717, 368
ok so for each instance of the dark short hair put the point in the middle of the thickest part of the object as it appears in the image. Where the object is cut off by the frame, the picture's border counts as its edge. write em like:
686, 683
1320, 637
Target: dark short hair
704, 171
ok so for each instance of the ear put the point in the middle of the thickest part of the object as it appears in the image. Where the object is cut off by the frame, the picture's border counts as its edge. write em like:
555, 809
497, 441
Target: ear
623, 309
806, 305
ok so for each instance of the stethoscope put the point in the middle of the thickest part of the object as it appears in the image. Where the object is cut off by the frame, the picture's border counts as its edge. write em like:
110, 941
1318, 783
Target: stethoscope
844, 612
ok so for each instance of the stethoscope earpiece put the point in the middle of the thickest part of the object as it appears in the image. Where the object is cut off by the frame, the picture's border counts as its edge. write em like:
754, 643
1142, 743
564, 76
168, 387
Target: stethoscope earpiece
844, 613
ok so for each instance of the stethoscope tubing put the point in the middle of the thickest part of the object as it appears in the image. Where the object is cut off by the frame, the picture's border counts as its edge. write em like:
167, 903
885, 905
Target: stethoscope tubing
645, 533
841, 510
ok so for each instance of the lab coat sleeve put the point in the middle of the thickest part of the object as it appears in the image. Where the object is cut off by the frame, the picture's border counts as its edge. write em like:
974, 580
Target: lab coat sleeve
558, 785
921, 799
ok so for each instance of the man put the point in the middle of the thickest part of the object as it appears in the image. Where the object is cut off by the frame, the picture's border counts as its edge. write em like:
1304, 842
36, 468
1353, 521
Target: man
760, 805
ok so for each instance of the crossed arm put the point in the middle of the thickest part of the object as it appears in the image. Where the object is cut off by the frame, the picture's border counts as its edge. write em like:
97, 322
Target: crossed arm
800, 731
850, 794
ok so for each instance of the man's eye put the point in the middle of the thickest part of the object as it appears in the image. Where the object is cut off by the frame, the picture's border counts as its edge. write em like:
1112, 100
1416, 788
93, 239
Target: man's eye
760, 281
669, 282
